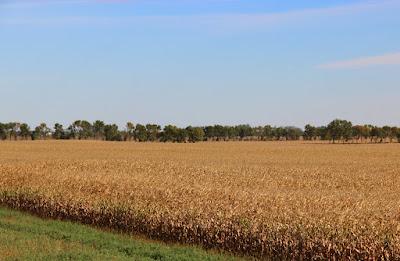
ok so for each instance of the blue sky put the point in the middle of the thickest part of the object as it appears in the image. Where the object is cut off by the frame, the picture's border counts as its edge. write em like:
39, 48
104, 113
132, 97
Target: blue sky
200, 62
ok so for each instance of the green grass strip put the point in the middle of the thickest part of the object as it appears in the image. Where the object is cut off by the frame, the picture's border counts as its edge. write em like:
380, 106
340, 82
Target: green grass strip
25, 237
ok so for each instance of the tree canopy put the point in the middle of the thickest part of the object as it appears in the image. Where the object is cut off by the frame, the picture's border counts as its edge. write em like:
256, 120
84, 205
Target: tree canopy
337, 130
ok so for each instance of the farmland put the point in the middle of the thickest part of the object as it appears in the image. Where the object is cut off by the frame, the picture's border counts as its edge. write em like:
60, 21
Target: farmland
265, 199
24, 237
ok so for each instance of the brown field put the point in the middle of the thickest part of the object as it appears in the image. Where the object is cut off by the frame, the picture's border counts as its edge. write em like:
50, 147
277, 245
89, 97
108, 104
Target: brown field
281, 200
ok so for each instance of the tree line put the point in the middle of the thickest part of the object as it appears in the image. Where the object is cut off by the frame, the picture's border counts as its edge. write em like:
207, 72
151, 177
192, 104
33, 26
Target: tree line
344, 131
336, 131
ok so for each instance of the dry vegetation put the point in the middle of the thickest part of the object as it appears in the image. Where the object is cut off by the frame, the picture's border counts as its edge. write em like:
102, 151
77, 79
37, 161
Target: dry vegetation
280, 200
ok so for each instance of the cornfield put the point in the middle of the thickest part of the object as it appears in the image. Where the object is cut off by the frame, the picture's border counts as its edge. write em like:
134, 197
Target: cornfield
277, 200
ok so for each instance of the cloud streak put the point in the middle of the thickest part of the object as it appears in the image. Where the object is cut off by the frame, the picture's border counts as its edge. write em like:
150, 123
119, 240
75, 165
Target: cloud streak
235, 20
34, 3
386, 59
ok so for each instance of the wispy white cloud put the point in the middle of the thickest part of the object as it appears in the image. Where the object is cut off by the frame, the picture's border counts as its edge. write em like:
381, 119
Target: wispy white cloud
386, 59
34, 3
262, 19
235, 20
31, 3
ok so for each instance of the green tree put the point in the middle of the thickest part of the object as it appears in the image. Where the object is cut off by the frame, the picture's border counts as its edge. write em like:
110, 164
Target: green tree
360, 132
41, 132
209, 132
59, 132
170, 133
24, 131
3, 131
398, 135
232, 133
220, 132
73, 130
182, 135
323, 133
387, 130
293, 133
86, 130
195, 134
153, 132
366, 133
268, 132
310, 132
112, 133
81, 129
393, 133
98, 130
130, 131
12, 129
258, 132
244, 131
340, 129
377, 134
140, 133
279, 133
